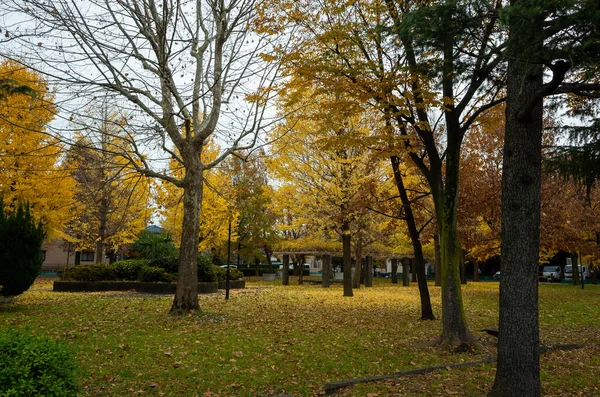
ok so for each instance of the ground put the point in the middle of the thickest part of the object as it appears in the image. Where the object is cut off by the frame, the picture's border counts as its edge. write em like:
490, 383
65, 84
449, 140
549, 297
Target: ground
270, 340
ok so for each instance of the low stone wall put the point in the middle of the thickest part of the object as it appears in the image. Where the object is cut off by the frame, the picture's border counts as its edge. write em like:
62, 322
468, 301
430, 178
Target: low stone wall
148, 288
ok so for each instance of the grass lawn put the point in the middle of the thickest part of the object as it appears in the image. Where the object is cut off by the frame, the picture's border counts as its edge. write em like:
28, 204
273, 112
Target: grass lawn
269, 340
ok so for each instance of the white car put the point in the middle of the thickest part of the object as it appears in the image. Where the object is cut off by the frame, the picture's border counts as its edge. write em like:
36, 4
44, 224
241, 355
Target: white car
230, 266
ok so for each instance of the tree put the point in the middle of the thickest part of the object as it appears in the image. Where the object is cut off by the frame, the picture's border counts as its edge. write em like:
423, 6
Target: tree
252, 195
334, 175
21, 256
561, 36
430, 68
180, 73
30, 169
112, 201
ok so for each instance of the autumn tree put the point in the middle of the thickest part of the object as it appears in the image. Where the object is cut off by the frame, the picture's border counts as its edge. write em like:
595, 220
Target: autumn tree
30, 169
112, 201
560, 38
318, 150
252, 195
430, 69
181, 73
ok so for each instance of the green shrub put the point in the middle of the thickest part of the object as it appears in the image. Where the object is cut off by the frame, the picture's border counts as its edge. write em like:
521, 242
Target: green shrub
169, 263
129, 269
154, 246
152, 274
35, 366
206, 270
234, 274
20, 249
92, 272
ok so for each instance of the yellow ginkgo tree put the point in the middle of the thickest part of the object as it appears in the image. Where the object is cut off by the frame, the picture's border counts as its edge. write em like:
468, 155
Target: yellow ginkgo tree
29, 158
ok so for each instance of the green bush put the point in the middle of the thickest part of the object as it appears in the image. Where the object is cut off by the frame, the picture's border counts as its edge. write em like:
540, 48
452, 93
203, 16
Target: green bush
129, 269
35, 366
154, 246
169, 263
20, 249
206, 270
152, 274
234, 274
92, 272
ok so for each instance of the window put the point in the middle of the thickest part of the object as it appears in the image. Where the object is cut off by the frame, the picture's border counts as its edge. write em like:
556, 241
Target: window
87, 256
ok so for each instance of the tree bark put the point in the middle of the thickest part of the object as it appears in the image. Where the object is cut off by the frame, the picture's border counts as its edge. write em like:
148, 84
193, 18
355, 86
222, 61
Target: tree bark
415, 238
301, 272
438, 260
405, 271
518, 369
369, 271
186, 292
347, 259
357, 262
394, 271
285, 273
475, 271
463, 268
326, 270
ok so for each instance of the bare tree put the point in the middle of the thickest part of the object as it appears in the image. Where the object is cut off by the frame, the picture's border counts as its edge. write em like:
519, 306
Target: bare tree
183, 73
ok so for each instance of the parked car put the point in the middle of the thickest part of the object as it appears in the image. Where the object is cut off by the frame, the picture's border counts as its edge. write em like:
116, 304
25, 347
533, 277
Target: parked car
551, 273
496, 275
583, 271
230, 266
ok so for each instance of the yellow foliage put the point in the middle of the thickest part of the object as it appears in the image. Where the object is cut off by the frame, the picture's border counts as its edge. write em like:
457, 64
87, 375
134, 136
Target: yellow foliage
29, 157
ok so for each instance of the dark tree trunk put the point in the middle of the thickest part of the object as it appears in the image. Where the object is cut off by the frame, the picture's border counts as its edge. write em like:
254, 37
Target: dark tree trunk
394, 271
413, 271
518, 369
363, 271
301, 272
369, 271
463, 268
347, 259
438, 260
186, 292
405, 271
594, 274
475, 271
415, 237
285, 273
326, 270
357, 262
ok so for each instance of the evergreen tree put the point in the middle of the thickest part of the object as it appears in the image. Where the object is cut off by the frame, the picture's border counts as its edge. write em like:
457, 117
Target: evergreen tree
21, 256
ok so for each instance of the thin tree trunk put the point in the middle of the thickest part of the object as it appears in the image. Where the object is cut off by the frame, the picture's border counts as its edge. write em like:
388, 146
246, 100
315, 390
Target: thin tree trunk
326, 270
438, 260
347, 259
186, 292
476, 271
358, 262
301, 273
405, 271
394, 271
369, 272
518, 368
419, 261
463, 268
285, 273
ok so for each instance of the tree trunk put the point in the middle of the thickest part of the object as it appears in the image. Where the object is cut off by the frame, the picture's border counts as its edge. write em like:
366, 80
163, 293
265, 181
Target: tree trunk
347, 259
518, 368
285, 273
405, 271
476, 271
438, 260
394, 271
358, 262
415, 237
455, 330
594, 274
369, 272
326, 270
463, 268
301, 272
186, 292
